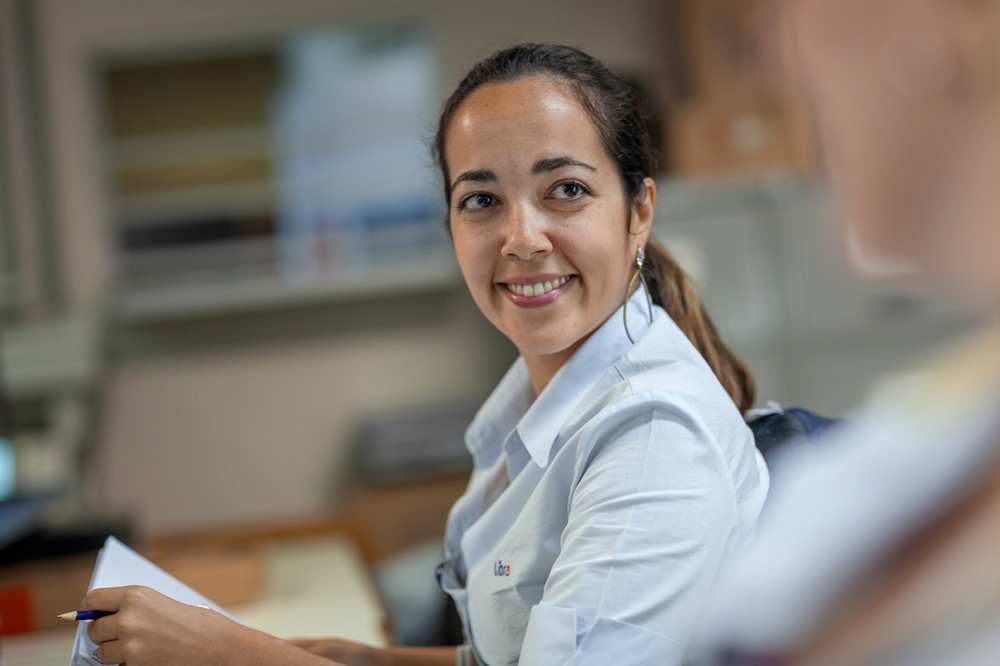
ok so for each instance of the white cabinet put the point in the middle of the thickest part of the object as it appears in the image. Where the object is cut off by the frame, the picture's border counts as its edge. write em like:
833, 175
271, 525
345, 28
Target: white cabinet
779, 284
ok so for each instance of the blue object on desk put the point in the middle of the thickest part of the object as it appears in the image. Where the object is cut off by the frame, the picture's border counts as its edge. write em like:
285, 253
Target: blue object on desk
20, 516
8, 469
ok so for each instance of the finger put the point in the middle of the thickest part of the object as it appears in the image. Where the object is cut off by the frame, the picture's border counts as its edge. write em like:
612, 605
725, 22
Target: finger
106, 599
104, 629
111, 652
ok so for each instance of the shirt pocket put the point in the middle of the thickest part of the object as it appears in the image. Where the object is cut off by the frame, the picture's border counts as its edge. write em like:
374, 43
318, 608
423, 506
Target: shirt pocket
501, 593
552, 634
550, 638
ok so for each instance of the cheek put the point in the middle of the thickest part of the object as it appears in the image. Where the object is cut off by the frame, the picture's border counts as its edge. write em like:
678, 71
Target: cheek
471, 258
598, 248
470, 247
478, 253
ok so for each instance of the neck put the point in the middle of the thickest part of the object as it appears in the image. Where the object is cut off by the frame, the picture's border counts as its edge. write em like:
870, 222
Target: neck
543, 367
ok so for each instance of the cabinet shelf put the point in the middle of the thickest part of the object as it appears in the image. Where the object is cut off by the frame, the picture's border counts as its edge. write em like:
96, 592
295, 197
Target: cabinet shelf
154, 207
182, 148
267, 290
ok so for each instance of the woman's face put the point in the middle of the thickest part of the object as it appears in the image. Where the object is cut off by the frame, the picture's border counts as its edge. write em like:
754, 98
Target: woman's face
908, 126
538, 215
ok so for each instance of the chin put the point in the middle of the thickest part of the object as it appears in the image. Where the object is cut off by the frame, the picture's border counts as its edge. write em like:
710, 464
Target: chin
542, 345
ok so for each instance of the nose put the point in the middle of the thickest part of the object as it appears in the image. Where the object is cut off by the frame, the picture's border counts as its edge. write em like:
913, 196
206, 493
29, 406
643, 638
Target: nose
524, 232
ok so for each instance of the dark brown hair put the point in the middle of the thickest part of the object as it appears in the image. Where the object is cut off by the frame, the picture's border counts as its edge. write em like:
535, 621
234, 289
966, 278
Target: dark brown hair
620, 118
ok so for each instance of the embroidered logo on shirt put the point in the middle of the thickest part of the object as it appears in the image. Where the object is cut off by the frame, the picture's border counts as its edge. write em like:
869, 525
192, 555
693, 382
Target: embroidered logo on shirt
501, 569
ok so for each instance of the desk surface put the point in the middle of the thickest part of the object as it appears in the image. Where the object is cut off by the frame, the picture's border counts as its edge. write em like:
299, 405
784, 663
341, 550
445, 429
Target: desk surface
316, 587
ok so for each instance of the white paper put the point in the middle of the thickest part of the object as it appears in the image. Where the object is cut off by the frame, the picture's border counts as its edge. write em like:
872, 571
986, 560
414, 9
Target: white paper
117, 566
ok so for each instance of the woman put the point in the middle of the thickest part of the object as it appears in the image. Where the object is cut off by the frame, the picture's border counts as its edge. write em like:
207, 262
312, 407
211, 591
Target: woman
881, 547
613, 472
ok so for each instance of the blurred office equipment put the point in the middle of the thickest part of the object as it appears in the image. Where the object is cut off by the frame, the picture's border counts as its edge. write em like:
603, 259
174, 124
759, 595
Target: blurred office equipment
409, 467
404, 461
50, 390
418, 443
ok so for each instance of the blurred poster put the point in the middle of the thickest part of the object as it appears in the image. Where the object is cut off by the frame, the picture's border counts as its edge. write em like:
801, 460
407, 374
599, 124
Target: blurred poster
355, 178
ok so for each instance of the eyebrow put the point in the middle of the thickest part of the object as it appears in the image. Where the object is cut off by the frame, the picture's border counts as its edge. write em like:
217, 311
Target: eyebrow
547, 165
550, 164
476, 176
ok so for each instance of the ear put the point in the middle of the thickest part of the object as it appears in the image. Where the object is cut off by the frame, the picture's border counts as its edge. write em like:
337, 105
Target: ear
643, 212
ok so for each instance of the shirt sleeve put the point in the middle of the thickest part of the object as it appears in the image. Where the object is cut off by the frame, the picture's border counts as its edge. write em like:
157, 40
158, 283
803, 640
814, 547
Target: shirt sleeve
650, 521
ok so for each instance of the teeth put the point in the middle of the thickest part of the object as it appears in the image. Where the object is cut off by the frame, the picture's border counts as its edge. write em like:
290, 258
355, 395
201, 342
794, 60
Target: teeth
537, 289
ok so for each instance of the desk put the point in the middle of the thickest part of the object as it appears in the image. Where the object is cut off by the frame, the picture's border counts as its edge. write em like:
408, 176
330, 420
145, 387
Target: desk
314, 587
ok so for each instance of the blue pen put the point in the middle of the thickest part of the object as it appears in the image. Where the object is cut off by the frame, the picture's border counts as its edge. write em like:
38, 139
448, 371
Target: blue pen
80, 616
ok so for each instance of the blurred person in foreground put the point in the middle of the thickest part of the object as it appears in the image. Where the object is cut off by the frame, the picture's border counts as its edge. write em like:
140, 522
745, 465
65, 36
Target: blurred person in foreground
882, 547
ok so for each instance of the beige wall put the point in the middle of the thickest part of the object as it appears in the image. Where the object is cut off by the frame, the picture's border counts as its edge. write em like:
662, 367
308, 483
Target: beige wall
212, 434
263, 430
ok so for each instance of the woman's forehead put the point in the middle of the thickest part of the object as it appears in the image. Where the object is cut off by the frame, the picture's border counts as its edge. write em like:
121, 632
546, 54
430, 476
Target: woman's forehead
521, 120
531, 94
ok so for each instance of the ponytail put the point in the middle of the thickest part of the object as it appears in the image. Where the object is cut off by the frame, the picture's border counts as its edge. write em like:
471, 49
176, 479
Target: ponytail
672, 290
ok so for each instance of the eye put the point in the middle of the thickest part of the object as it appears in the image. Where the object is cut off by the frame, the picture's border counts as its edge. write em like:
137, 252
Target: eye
569, 191
477, 201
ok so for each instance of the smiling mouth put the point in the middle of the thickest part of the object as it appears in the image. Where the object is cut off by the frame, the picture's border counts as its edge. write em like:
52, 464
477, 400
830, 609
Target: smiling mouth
537, 289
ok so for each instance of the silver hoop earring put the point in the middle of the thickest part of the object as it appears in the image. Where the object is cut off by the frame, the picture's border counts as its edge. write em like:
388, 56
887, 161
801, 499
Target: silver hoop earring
640, 259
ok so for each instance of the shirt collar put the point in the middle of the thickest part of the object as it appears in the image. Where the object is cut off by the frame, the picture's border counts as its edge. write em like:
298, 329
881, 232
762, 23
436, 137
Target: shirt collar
536, 422
498, 416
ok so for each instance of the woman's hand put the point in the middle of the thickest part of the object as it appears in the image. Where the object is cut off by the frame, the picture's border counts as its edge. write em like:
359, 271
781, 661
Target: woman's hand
358, 654
149, 629
345, 652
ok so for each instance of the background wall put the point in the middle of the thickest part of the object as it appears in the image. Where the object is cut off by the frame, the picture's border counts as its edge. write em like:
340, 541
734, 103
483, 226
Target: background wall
250, 418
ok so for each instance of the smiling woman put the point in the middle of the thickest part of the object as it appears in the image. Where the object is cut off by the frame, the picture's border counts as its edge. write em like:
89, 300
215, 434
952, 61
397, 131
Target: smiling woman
614, 474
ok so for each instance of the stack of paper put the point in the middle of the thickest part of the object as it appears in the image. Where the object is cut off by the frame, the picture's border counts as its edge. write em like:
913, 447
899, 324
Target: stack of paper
117, 566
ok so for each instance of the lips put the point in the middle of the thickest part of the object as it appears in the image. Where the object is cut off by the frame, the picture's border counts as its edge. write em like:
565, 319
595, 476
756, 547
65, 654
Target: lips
537, 291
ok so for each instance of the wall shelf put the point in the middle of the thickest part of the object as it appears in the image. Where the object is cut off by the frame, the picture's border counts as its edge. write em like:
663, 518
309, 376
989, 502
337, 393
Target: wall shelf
265, 291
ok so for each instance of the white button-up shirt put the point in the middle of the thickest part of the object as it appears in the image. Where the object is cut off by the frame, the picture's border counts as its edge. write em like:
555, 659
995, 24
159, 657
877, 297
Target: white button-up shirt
599, 513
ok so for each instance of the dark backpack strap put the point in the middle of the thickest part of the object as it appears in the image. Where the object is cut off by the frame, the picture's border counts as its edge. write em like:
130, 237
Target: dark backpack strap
772, 430
782, 430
